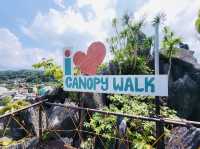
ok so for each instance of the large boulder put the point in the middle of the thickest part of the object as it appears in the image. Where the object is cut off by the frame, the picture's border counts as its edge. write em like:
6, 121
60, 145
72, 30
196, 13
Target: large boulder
184, 84
28, 119
61, 118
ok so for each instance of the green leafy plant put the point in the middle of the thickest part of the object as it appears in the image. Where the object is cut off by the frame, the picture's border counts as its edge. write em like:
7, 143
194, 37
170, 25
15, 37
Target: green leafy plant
50, 69
87, 144
130, 46
197, 23
141, 133
12, 106
47, 136
130, 54
169, 43
5, 101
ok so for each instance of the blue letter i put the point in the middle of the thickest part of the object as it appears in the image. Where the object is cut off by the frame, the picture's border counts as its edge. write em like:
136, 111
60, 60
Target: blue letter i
68, 69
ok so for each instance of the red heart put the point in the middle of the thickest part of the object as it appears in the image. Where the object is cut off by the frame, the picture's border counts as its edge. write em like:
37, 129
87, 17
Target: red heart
89, 62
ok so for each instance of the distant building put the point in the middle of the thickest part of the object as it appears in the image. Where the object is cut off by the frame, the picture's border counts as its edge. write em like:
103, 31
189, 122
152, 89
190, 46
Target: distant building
19, 97
3, 90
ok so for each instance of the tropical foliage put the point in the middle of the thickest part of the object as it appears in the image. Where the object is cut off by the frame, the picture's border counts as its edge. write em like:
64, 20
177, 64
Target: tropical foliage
130, 48
141, 133
197, 23
12, 106
51, 69
170, 43
5, 101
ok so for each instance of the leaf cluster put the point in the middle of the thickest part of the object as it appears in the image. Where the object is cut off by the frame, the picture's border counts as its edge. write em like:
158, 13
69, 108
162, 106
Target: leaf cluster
5, 101
50, 69
12, 106
197, 23
170, 42
130, 46
138, 131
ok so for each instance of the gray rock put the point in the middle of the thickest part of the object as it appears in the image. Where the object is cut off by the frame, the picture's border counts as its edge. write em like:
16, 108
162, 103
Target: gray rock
94, 100
32, 118
184, 84
184, 94
184, 46
62, 118
58, 144
184, 138
30, 121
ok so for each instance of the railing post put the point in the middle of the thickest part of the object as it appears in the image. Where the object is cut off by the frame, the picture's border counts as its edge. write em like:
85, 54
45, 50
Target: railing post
81, 114
40, 124
159, 126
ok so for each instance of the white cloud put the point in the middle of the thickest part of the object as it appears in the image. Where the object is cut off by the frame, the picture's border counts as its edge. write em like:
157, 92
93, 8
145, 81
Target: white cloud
89, 20
60, 3
180, 16
14, 56
69, 27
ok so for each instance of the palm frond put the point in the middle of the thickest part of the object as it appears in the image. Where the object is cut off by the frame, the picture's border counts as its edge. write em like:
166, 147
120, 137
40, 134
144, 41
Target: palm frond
159, 18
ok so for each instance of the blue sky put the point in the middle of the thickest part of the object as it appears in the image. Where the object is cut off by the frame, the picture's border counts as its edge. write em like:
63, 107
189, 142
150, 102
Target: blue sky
34, 29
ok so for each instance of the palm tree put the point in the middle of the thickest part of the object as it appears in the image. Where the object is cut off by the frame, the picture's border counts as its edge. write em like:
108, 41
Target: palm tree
133, 35
114, 25
170, 41
197, 23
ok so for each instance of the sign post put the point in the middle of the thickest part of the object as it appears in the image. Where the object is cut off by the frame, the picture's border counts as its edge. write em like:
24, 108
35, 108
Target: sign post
159, 126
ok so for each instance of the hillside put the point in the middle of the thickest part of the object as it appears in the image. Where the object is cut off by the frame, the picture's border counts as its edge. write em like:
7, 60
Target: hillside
31, 76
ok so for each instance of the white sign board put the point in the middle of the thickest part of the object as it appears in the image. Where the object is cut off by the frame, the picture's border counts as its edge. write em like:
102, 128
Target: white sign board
146, 85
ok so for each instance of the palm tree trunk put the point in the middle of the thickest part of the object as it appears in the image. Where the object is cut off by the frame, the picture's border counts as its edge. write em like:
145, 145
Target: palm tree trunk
170, 63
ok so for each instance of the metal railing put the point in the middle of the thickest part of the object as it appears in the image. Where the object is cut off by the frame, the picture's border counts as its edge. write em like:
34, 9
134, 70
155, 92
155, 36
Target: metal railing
79, 132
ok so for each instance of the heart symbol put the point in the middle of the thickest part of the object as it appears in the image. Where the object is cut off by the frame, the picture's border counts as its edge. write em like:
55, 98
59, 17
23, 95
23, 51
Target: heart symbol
89, 62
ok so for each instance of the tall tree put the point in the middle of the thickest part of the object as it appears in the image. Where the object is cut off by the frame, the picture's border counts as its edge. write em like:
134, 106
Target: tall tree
130, 46
170, 43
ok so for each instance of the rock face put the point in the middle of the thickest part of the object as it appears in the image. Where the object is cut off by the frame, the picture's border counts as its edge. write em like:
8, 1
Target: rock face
94, 100
29, 119
61, 118
184, 138
58, 144
184, 84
